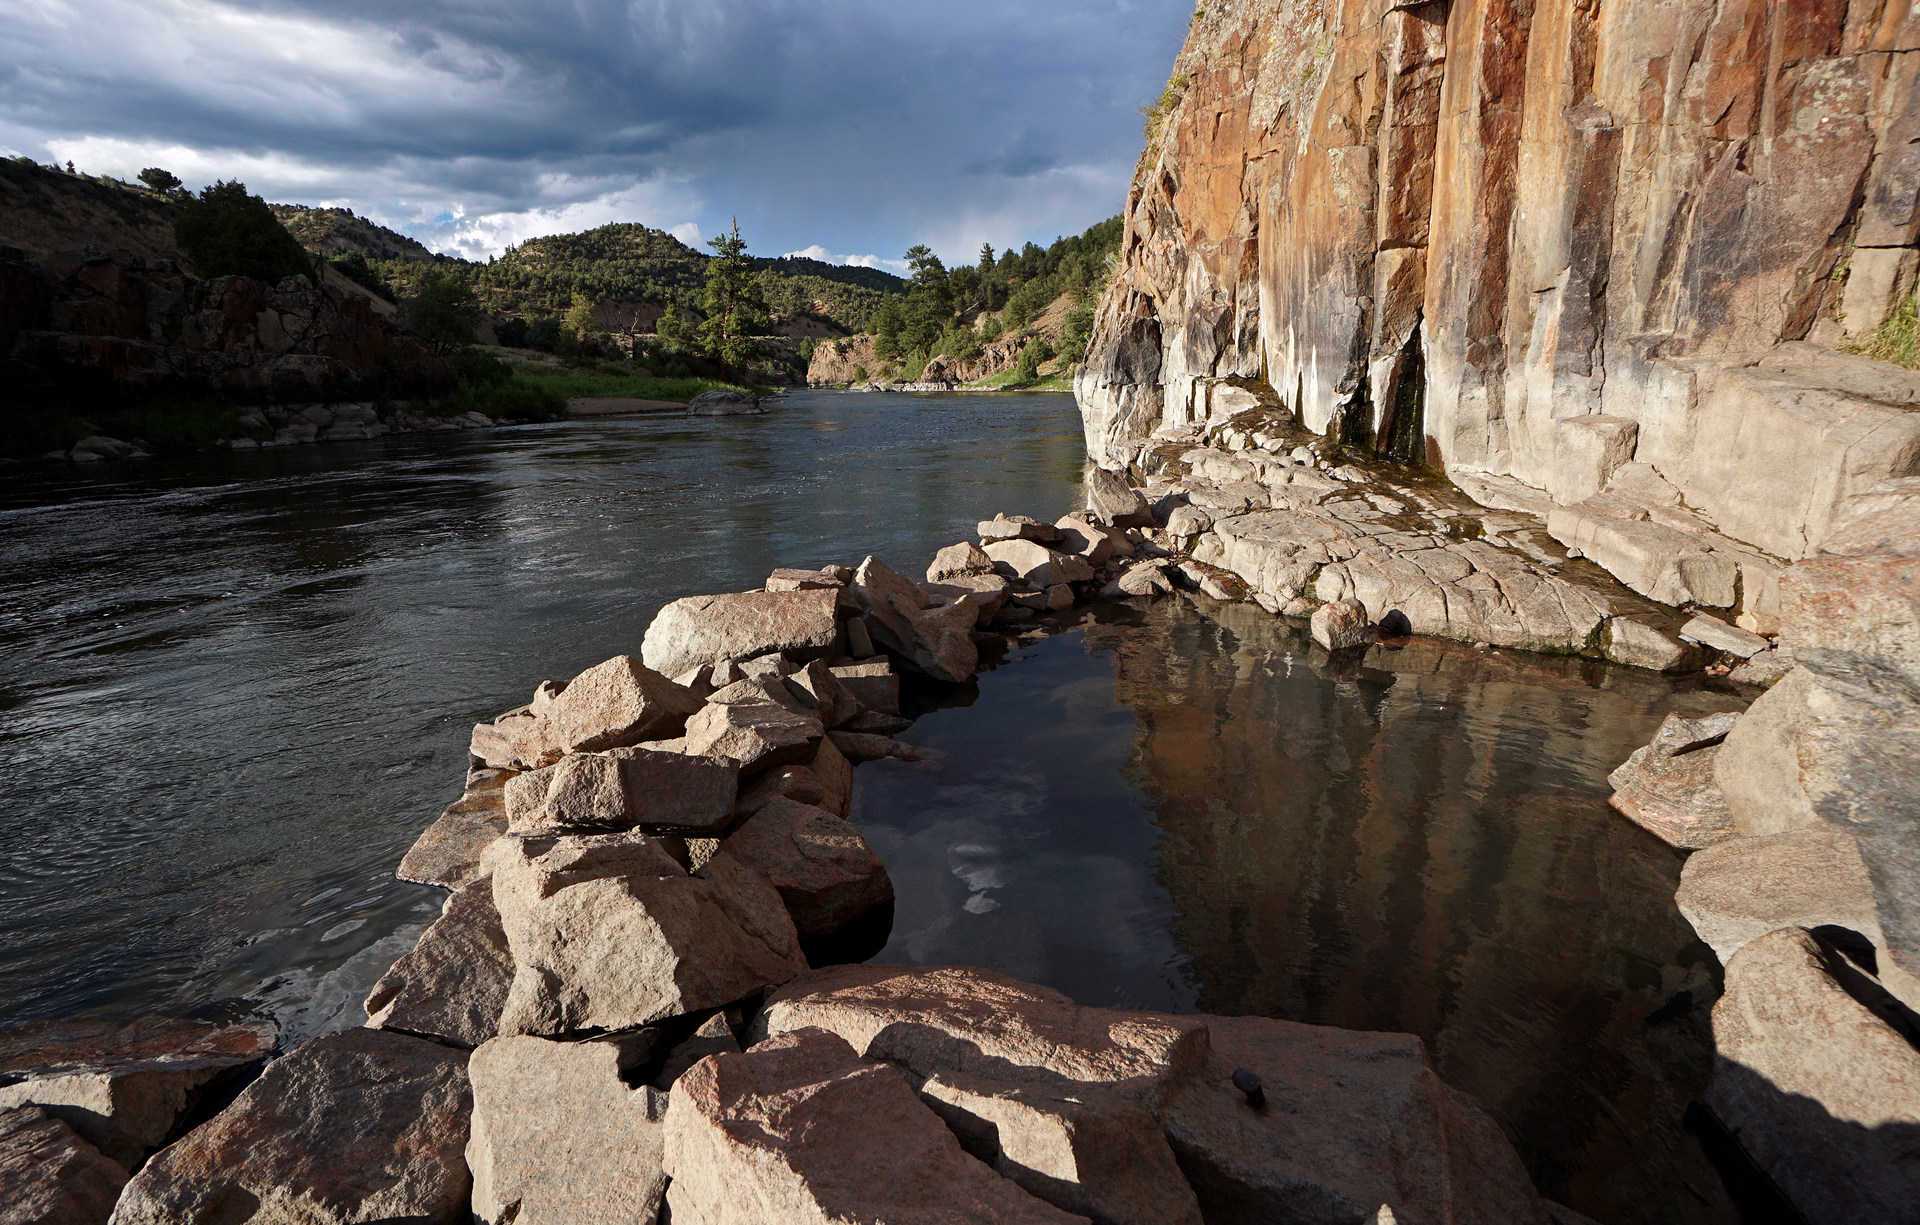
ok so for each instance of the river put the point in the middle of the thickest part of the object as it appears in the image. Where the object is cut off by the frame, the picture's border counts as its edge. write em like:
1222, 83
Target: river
235, 687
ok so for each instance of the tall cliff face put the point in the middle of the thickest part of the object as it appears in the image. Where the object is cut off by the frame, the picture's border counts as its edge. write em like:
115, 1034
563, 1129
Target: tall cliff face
1537, 241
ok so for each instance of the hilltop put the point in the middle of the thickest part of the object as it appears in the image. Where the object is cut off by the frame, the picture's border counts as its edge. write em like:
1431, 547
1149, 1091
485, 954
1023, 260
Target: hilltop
337, 231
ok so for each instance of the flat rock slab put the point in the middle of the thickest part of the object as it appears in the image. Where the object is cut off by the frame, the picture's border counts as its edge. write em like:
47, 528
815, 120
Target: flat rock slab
756, 735
826, 873
447, 853
126, 1088
454, 983
800, 1129
361, 1126
935, 640
619, 406
626, 788
708, 628
559, 1138
1740, 890
50, 1176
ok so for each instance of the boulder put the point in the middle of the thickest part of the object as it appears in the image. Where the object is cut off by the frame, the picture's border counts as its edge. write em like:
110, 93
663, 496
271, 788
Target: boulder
1023, 559
1587, 450
832, 578
1668, 788
610, 933
713, 1036
799, 1129
1758, 767
359, 1126
453, 984
817, 690
127, 1089
1815, 1079
1738, 891
1341, 624
1715, 633
873, 683
723, 404
448, 853
49, 1175
826, 873
865, 746
517, 740
617, 703
559, 1138
936, 641
626, 789
835, 773
986, 592
1085, 537
1017, 527
1114, 502
1860, 593
1146, 578
758, 735
797, 783
1353, 1125
957, 561
705, 629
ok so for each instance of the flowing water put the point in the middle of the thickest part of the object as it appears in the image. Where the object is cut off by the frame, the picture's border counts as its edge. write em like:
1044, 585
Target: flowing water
234, 688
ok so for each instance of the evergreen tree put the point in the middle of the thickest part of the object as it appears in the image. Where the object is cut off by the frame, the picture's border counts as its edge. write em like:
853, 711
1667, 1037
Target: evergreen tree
734, 304
443, 311
986, 260
229, 232
160, 180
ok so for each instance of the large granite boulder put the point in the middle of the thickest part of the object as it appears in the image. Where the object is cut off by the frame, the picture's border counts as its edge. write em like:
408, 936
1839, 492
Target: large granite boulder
756, 732
1115, 502
560, 1138
359, 1127
1740, 890
936, 640
723, 404
959, 561
1818, 1078
610, 932
127, 1089
705, 629
617, 703
453, 984
1860, 593
1353, 1124
872, 682
517, 740
800, 1129
826, 873
49, 1175
1758, 766
1668, 787
627, 788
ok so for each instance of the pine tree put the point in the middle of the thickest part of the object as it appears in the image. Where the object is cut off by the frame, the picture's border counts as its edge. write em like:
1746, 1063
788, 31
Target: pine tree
734, 304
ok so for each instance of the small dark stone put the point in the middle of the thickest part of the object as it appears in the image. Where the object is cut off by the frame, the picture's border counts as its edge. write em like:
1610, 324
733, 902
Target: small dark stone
1248, 1082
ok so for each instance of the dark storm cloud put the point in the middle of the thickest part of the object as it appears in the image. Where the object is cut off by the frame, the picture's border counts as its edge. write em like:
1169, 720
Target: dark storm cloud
858, 126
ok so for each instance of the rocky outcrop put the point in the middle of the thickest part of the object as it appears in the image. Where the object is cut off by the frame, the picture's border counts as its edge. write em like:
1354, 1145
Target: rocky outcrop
51, 1175
1594, 256
115, 322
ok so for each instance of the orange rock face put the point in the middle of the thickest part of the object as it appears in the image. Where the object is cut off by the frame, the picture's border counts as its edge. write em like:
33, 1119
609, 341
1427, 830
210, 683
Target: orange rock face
1441, 229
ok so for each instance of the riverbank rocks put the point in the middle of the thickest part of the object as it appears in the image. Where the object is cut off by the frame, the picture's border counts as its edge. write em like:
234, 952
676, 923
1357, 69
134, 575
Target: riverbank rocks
959, 561
127, 1089
625, 789
1738, 891
453, 984
1818, 1078
798, 1128
872, 682
1668, 787
1114, 501
560, 1138
517, 740
610, 932
1341, 624
1037, 564
614, 704
50, 1175
360, 1126
755, 731
936, 640
1016, 527
823, 869
705, 629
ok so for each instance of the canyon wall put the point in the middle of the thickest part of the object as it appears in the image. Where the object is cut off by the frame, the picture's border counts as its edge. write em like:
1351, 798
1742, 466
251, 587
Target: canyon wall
1534, 244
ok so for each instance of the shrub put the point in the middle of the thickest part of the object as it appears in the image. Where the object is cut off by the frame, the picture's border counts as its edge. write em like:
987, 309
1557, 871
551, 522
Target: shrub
512, 333
1028, 368
544, 334
227, 232
443, 311
859, 376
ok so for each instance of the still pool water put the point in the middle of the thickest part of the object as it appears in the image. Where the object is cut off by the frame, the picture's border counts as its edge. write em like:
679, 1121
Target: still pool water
234, 688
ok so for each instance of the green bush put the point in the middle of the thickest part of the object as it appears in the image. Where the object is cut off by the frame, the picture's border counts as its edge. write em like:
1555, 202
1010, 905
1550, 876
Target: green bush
859, 374
515, 398
1897, 340
228, 232
512, 333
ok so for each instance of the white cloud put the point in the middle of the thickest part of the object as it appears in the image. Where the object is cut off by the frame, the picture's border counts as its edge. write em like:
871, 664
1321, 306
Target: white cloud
816, 251
661, 204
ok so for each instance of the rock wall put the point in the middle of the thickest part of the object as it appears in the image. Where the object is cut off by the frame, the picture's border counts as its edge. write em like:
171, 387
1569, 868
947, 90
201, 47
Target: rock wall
80, 322
1539, 243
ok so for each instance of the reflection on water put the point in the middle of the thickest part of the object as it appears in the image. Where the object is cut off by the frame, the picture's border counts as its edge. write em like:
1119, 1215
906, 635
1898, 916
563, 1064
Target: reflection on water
1194, 808
234, 688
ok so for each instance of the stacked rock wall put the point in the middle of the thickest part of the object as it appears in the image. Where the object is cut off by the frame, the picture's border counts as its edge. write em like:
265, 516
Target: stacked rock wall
1536, 243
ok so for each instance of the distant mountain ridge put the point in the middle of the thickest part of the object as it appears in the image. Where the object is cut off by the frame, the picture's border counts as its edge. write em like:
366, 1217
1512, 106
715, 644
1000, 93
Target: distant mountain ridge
331, 231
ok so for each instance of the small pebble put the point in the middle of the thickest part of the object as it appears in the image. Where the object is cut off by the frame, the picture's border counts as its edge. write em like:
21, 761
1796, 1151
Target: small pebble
1248, 1082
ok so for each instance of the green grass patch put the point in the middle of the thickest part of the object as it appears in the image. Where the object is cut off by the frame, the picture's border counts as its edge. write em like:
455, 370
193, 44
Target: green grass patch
1897, 340
516, 398
603, 381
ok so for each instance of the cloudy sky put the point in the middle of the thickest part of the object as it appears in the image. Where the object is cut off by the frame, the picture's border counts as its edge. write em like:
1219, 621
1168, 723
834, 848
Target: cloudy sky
842, 128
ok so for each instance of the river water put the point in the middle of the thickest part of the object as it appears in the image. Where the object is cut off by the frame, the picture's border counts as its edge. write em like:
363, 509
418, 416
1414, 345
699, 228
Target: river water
235, 687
